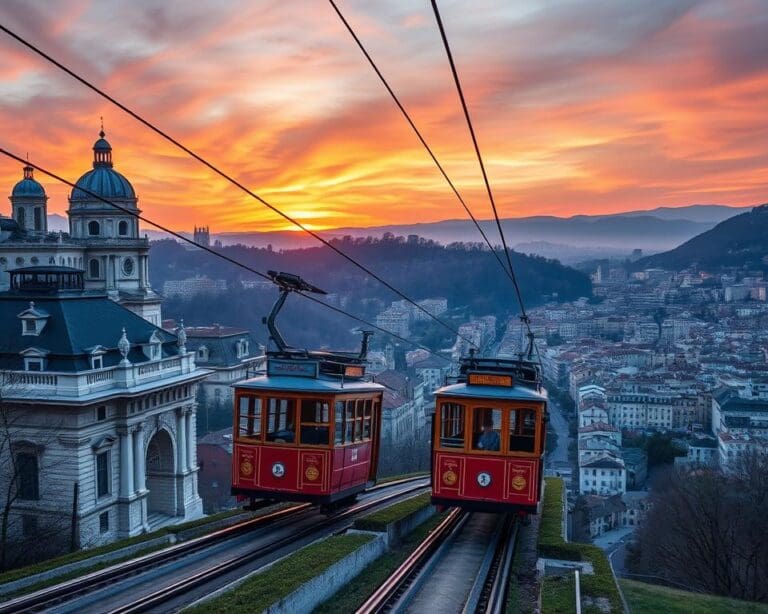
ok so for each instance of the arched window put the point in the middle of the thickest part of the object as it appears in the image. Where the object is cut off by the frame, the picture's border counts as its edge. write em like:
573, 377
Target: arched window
202, 353
38, 218
122, 228
93, 228
22, 218
94, 270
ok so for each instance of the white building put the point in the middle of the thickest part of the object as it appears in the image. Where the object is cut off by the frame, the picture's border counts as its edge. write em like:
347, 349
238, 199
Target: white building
103, 241
102, 403
604, 476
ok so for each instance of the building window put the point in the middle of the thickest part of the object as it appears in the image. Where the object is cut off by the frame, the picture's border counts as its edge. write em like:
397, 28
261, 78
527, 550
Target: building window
33, 364
202, 353
103, 522
101, 413
35, 260
128, 266
93, 229
97, 362
102, 474
29, 483
94, 270
29, 525
30, 326
122, 228
22, 217
19, 261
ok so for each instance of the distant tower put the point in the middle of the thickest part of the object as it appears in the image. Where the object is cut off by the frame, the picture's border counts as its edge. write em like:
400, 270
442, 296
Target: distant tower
29, 203
203, 236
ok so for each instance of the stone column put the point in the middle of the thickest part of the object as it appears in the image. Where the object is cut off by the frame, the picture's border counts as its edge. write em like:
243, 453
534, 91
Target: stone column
126, 462
142, 274
190, 425
181, 440
139, 464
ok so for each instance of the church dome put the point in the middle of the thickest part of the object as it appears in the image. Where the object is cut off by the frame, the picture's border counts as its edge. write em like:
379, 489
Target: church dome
102, 179
29, 186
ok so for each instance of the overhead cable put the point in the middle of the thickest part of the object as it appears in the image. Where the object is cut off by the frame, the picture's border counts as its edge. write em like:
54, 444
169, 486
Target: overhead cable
205, 248
228, 177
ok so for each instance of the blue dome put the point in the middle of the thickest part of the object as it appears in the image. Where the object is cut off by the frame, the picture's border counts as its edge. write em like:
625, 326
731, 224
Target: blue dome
28, 186
102, 145
104, 181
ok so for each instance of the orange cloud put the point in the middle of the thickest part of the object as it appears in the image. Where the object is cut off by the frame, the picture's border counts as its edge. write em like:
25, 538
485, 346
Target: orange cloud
579, 108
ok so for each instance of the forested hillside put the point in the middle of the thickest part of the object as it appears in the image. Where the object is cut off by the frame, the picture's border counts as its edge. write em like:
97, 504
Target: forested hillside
741, 241
468, 276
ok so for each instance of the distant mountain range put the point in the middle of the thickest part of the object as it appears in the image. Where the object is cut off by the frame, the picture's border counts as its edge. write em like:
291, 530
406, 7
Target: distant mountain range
570, 239
652, 231
740, 241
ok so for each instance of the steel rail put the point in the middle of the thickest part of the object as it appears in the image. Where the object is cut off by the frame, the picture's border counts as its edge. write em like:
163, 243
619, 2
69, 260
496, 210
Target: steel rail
91, 582
165, 594
494, 593
394, 588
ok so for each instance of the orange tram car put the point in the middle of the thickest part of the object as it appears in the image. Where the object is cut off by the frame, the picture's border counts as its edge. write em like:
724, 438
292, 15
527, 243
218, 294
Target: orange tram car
489, 430
308, 429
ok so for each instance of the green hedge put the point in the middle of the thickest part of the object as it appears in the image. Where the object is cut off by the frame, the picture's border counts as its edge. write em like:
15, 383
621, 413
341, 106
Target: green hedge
551, 526
552, 545
378, 521
284, 577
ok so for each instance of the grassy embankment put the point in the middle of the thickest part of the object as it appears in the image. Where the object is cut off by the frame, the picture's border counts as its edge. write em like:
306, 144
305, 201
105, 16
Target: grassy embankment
558, 592
645, 598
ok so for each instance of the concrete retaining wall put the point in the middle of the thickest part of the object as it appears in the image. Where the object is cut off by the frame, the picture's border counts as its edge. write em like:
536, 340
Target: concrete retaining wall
324, 586
400, 528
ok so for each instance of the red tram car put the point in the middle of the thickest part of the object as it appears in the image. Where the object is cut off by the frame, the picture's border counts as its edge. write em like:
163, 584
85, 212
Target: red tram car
488, 437
308, 429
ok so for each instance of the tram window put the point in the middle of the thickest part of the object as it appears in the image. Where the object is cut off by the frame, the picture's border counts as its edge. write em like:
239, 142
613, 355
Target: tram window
314, 422
281, 420
359, 420
486, 429
452, 425
522, 430
339, 424
349, 422
250, 417
367, 418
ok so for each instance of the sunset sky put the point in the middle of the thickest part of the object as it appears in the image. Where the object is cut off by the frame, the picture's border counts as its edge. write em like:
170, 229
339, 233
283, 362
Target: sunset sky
584, 106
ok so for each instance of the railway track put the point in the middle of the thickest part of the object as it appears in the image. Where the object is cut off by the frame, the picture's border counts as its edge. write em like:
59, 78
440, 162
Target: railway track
439, 553
58, 595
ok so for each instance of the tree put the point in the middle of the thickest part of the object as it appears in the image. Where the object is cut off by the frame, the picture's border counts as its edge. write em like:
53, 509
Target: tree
709, 530
24, 538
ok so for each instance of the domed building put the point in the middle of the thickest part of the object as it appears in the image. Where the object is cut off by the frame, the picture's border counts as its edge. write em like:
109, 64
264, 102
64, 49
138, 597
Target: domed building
28, 203
103, 240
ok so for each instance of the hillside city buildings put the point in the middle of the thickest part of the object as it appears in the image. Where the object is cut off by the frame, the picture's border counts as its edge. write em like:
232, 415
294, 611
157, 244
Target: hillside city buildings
685, 354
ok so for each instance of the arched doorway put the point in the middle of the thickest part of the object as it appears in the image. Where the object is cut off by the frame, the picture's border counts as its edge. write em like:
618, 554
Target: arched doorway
160, 478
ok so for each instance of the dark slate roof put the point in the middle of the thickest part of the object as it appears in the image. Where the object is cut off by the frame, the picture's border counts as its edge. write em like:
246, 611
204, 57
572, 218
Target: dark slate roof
598, 507
75, 325
744, 405
604, 463
222, 348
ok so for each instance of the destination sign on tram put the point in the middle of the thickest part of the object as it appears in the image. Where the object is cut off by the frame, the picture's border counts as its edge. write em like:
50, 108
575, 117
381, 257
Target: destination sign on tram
489, 379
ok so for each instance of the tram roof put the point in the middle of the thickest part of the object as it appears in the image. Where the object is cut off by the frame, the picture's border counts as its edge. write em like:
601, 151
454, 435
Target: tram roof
287, 383
515, 393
